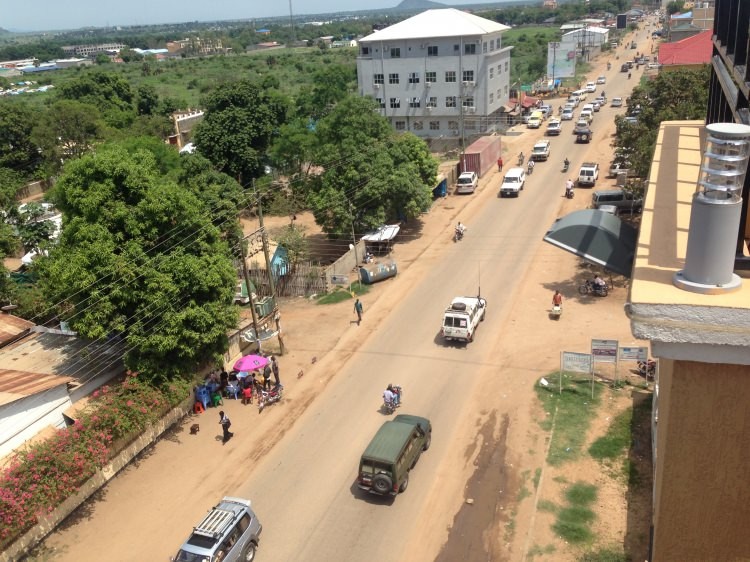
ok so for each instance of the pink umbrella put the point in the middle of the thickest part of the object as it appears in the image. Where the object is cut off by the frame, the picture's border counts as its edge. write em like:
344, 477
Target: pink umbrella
250, 363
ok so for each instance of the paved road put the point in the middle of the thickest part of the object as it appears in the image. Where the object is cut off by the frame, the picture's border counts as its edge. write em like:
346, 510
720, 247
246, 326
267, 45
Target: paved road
305, 490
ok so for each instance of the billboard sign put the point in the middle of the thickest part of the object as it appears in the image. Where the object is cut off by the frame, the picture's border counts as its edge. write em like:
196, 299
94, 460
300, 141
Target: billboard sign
604, 351
622, 21
632, 354
576, 362
561, 60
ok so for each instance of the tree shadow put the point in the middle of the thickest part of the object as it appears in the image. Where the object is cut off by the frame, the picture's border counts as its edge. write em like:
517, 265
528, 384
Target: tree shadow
584, 272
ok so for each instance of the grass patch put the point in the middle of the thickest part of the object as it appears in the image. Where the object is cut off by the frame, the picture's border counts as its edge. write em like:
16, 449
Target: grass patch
523, 493
537, 478
538, 550
560, 479
571, 410
548, 506
609, 554
340, 294
574, 520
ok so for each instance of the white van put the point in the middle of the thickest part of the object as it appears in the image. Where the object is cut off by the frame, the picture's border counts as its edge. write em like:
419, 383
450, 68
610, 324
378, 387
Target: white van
582, 94
462, 317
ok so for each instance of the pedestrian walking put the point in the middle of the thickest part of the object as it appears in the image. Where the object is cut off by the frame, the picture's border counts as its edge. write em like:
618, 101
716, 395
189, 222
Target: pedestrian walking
267, 377
358, 309
500, 164
275, 369
225, 425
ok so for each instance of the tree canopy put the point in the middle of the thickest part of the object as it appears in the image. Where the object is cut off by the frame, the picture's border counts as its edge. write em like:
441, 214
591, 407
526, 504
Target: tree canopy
371, 174
140, 258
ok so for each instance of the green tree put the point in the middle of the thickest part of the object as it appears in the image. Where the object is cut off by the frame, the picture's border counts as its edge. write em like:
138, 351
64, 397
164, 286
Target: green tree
67, 129
239, 124
139, 257
147, 100
17, 150
107, 91
675, 7
33, 231
376, 175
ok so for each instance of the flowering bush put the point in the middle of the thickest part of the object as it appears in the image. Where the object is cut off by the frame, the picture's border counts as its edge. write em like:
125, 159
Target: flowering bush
46, 473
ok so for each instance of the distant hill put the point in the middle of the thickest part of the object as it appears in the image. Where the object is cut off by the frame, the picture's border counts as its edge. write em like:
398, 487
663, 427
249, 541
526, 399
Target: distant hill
418, 5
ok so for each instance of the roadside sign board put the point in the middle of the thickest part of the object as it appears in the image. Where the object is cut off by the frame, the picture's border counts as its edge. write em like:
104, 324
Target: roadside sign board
604, 351
339, 279
632, 354
576, 362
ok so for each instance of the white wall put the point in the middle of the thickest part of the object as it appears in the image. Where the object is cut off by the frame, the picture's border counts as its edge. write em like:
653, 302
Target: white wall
23, 419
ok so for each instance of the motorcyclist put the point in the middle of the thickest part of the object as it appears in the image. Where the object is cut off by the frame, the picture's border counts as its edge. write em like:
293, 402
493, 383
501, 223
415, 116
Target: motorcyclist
460, 229
598, 282
568, 188
521, 158
566, 163
629, 75
531, 166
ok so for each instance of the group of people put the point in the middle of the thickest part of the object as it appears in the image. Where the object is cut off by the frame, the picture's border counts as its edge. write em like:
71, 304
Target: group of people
557, 298
392, 396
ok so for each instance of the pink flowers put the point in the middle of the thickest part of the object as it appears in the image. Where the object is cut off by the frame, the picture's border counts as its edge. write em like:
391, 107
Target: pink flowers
40, 477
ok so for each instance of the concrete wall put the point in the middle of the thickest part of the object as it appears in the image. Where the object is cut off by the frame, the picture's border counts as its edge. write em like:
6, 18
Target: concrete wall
702, 494
22, 419
345, 265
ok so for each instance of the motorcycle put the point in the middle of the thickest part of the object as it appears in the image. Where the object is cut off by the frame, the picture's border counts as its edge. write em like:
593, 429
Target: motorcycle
521, 158
566, 166
530, 168
458, 234
589, 287
647, 369
628, 75
569, 194
556, 311
390, 407
266, 398
609, 66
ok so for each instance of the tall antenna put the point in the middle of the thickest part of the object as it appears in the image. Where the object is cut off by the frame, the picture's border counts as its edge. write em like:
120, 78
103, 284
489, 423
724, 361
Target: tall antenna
291, 21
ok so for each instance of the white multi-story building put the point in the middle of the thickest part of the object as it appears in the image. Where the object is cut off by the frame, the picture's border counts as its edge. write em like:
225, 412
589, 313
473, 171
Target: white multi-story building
442, 73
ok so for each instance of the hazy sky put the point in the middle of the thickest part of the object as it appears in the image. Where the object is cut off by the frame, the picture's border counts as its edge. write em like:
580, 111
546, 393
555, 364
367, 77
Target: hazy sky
34, 15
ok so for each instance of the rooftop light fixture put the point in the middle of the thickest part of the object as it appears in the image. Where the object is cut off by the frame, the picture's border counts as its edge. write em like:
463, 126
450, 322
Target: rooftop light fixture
715, 212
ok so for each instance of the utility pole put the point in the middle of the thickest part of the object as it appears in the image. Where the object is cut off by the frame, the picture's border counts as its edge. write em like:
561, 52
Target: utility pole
246, 274
291, 21
354, 242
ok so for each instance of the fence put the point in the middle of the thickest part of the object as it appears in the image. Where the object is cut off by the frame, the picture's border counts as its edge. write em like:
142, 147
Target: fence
304, 279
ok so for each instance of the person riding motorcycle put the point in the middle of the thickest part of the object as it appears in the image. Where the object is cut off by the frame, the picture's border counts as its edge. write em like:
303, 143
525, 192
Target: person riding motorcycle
598, 283
566, 164
531, 166
460, 229
568, 188
628, 75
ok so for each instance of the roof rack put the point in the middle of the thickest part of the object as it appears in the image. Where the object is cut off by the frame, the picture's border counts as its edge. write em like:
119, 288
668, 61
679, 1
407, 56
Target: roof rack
215, 523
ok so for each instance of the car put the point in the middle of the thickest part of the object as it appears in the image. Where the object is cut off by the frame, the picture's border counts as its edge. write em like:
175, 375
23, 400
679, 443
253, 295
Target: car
602, 101
597, 105
601, 80
229, 532
534, 123
630, 64
467, 182
590, 87
525, 118
631, 119
621, 199
513, 182
616, 102
387, 461
624, 67
654, 66
584, 135
546, 109
541, 151
567, 115
581, 126
554, 127
619, 167
586, 114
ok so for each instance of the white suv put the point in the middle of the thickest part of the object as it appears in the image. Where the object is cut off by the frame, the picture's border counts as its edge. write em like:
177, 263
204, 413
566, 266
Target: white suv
467, 182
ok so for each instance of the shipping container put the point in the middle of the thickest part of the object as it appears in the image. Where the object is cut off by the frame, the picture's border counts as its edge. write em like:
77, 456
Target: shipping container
482, 155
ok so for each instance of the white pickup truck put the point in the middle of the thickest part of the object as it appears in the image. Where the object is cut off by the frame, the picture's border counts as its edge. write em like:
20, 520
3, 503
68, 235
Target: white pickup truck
588, 174
462, 317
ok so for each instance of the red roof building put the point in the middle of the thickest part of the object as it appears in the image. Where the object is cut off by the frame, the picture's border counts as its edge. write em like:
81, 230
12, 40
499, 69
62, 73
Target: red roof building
695, 50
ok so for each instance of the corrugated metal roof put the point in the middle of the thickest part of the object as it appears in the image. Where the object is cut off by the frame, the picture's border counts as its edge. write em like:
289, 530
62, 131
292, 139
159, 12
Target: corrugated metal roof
15, 385
592, 29
11, 326
447, 22
693, 50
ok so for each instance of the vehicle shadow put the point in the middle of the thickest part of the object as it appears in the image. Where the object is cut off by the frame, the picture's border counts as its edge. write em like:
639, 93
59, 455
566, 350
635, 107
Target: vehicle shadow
442, 342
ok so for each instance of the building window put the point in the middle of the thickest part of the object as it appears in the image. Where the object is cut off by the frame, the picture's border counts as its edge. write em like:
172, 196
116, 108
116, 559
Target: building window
456, 48
432, 51
365, 51
453, 125
434, 125
484, 47
430, 77
414, 78
492, 44
492, 72
400, 125
470, 49
450, 75
468, 76
506, 89
378, 79
506, 66
415, 102
395, 103
499, 93
492, 98
393, 78
417, 125
467, 103
470, 123
450, 101
395, 53
381, 102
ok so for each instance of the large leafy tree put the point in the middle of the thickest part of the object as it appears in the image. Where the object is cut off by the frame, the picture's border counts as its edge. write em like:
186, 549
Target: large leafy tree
107, 91
371, 174
17, 150
240, 121
140, 258
66, 130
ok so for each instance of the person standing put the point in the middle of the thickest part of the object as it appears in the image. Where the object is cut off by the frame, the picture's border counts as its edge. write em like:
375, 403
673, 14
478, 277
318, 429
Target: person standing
225, 425
275, 370
557, 299
267, 377
500, 164
358, 309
